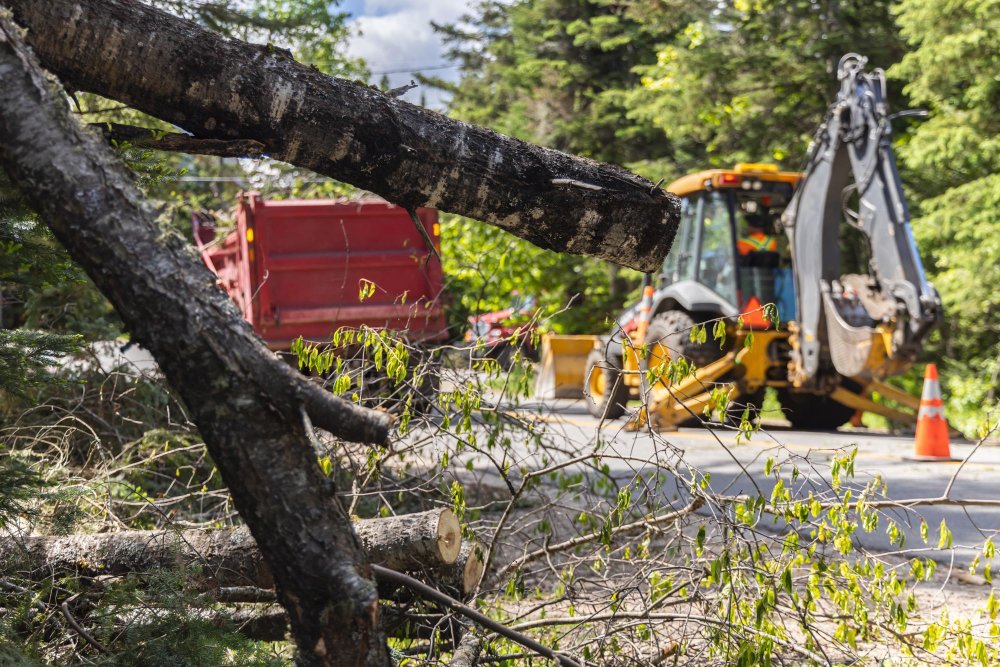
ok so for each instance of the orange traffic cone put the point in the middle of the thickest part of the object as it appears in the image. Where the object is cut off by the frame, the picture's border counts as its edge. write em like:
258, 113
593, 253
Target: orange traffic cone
932, 428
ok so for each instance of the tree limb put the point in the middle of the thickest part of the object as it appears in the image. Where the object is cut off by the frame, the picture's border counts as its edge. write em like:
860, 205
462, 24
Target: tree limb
467, 652
80, 630
144, 137
225, 89
426, 592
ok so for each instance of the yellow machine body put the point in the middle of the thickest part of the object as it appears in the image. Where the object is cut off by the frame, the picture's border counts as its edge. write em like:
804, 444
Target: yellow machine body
671, 394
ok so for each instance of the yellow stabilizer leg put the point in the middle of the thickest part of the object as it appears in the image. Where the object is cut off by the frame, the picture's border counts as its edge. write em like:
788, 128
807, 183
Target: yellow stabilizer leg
858, 402
672, 406
668, 418
894, 394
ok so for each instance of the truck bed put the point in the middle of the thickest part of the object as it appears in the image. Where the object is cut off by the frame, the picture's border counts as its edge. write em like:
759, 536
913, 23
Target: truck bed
296, 268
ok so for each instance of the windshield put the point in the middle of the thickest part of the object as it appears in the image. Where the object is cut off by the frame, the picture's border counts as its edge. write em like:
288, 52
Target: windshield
716, 261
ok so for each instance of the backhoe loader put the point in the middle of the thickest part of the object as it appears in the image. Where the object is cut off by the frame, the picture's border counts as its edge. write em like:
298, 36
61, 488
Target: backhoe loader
823, 313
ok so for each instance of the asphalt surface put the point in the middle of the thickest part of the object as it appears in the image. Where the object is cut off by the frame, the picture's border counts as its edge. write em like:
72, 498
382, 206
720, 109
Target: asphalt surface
739, 468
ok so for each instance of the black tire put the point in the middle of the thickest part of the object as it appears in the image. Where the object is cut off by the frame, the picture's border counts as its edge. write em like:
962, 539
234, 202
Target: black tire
812, 412
603, 389
672, 329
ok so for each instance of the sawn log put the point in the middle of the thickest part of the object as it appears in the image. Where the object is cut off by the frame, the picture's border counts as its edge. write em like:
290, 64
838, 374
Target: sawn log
225, 558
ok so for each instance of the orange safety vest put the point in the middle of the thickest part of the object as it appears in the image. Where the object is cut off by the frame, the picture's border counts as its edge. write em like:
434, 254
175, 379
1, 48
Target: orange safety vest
757, 242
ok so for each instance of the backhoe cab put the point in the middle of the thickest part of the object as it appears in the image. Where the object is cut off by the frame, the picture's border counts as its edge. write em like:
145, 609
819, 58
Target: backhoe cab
814, 276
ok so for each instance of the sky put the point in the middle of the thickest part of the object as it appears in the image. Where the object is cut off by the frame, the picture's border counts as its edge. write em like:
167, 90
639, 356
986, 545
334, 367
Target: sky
394, 36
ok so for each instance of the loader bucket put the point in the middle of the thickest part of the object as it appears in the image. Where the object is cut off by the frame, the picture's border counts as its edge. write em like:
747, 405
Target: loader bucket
563, 362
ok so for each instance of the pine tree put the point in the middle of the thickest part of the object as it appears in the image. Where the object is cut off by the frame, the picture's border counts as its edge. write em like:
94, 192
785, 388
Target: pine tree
953, 161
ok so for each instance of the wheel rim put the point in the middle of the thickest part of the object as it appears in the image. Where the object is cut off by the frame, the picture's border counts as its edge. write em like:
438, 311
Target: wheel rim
597, 382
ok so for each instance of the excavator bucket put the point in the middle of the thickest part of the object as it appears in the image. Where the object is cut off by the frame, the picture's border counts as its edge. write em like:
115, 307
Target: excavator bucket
563, 362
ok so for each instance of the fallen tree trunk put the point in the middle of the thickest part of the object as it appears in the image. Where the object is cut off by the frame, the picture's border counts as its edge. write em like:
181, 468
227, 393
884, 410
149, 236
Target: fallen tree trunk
225, 89
269, 622
254, 412
226, 558
218, 558
262, 623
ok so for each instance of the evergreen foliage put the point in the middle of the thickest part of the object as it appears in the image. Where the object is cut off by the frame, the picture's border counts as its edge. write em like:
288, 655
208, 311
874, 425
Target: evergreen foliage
555, 72
750, 80
953, 162
314, 30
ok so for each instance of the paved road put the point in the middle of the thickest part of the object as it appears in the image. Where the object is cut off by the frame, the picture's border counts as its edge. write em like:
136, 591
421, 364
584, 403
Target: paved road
739, 468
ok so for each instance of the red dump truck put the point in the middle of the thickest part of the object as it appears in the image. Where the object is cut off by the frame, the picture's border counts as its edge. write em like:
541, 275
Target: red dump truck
296, 268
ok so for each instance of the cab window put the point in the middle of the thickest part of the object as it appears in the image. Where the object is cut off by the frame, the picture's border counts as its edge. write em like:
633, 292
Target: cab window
716, 261
679, 264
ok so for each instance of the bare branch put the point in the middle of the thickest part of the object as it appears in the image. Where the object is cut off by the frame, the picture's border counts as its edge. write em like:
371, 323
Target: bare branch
425, 591
593, 537
182, 143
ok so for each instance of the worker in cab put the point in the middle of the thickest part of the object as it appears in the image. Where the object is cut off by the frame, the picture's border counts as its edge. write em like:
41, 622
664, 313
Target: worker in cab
756, 237
758, 262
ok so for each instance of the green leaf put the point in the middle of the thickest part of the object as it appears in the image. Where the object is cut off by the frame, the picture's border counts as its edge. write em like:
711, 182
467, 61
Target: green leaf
944, 536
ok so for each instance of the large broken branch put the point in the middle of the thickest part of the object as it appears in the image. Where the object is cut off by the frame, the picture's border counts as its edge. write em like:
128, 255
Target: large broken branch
221, 558
253, 411
269, 623
225, 89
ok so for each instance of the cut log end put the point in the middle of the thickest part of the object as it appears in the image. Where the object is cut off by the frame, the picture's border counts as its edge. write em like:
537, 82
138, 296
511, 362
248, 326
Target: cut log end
449, 532
412, 542
472, 573
463, 576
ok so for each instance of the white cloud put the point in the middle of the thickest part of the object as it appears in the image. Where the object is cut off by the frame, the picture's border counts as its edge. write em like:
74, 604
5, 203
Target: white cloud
397, 35
434, 8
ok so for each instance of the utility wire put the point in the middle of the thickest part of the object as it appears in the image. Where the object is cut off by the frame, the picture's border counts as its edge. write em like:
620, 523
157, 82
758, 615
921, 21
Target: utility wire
415, 69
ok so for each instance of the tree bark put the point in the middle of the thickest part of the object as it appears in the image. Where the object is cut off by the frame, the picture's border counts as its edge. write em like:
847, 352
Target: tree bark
219, 558
269, 622
225, 89
468, 651
226, 558
253, 411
